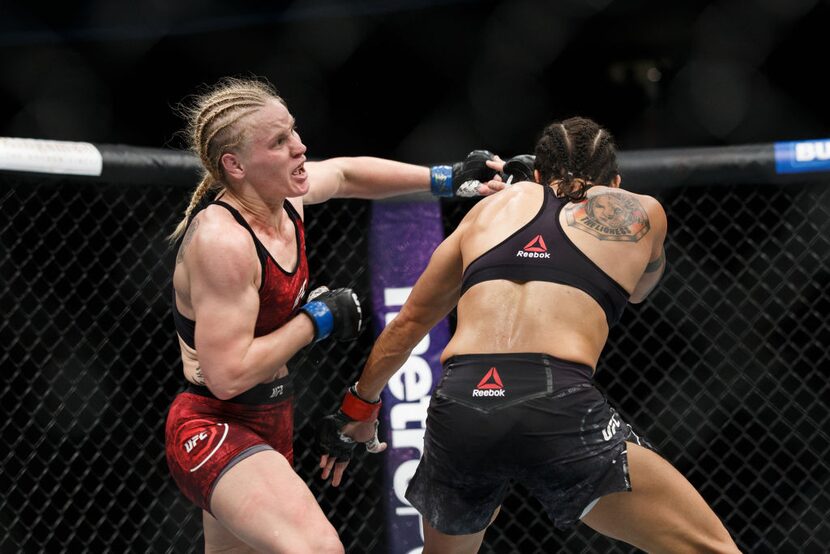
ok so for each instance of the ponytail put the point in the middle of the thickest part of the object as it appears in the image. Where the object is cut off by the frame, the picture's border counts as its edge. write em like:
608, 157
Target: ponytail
207, 183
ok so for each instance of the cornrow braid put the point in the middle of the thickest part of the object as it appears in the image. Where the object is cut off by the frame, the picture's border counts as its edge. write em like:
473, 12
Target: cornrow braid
207, 183
575, 154
213, 129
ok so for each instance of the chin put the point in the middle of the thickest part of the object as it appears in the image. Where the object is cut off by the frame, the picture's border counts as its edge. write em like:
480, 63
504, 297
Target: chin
297, 192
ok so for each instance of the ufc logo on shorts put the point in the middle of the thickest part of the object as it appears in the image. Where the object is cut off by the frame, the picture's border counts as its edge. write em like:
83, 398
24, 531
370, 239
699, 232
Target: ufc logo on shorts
276, 391
613, 424
191, 442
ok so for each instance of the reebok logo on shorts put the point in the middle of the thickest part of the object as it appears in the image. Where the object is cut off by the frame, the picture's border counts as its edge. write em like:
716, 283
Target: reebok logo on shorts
490, 384
202, 445
536, 248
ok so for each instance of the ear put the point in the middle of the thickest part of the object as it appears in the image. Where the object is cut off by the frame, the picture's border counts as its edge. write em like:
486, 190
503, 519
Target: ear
232, 165
615, 182
537, 176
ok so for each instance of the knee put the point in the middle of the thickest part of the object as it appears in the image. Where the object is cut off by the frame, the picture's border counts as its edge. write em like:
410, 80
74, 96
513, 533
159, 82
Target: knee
714, 543
329, 544
323, 541
334, 547
724, 545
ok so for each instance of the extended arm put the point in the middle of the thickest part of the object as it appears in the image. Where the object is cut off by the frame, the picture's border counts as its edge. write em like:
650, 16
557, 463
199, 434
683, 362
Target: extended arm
373, 178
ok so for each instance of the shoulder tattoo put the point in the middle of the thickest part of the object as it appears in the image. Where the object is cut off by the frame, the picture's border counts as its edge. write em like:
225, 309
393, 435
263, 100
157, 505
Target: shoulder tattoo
188, 236
610, 216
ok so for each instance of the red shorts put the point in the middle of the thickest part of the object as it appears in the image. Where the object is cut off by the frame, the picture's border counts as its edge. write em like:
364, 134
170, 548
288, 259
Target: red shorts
205, 436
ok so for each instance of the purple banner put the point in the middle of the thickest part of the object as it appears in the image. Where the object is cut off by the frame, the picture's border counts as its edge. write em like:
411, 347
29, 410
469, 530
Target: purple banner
402, 238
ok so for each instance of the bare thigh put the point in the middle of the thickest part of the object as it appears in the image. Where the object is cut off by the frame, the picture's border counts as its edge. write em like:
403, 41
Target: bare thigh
662, 513
262, 504
436, 542
219, 540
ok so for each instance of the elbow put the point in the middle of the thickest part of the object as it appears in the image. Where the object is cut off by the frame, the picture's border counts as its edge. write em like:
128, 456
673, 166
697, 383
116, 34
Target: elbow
223, 393
224, 387
405, 323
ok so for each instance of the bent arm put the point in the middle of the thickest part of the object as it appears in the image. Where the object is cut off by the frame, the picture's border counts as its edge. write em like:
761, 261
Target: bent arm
657, 261
226, 303
435, 293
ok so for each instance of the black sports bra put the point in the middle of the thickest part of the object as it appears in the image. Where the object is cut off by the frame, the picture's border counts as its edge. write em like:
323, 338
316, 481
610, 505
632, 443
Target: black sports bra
541, 251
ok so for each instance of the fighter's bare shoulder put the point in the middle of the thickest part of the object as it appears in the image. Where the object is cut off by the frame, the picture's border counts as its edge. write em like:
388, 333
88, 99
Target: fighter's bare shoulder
219, 241
613, 214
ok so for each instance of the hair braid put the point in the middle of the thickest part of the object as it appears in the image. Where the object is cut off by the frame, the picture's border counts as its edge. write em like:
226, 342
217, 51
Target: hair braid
575, 154
213, 129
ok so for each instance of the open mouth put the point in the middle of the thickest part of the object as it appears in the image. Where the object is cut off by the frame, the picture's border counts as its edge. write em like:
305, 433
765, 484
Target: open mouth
300, 171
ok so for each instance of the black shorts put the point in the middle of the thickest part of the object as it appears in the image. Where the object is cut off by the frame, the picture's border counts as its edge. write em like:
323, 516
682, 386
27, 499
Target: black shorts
531, 418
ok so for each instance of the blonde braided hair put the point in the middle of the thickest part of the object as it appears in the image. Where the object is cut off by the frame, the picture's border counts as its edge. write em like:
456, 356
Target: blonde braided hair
213, 129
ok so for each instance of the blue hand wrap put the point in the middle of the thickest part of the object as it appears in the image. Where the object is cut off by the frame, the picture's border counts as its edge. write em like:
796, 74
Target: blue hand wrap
322, 318
440, 180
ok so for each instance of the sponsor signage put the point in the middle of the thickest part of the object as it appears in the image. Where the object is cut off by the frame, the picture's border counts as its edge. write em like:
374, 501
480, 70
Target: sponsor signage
802, 156
401, 240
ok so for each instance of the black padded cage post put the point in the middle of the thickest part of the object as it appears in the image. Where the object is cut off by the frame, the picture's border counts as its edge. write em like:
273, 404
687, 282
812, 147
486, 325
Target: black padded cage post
725, 367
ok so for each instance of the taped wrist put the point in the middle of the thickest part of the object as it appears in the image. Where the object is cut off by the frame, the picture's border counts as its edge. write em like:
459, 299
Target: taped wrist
440, 180
321, 317
357, 408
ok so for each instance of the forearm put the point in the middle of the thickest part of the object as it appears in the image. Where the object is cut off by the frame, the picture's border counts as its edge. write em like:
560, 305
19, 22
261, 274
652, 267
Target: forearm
392, 349
373, 178
260, 361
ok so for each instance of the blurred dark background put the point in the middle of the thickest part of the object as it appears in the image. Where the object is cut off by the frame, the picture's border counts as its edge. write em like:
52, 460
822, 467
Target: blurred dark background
423, 80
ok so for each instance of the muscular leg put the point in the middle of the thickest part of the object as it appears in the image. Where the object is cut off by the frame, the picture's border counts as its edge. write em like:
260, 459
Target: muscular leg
264, 504
219, 540
436, 542
662, 513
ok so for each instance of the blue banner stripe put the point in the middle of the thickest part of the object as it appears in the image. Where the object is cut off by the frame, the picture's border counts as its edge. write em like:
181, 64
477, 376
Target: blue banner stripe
802, 156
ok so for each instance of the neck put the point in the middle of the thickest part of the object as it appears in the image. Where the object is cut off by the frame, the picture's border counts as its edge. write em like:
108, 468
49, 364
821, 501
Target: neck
256, 210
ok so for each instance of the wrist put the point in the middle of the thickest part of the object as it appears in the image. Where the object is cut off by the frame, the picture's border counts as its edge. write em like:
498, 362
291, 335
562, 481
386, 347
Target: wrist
440, 180
321, 317
363, 395
358, 408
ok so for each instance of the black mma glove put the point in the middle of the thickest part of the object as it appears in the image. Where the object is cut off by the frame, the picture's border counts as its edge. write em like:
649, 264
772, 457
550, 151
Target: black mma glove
334, 312
518, 168
331, 440
462, 178
330, 437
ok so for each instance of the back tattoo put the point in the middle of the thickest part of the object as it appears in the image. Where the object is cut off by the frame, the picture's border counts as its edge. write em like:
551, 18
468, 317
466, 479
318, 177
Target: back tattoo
610, 216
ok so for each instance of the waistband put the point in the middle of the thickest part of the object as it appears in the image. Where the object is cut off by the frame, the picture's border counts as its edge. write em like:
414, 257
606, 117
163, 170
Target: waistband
264, 393
565, 373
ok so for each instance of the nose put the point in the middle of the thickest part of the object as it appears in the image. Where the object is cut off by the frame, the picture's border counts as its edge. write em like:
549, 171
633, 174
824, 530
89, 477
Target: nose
297, 146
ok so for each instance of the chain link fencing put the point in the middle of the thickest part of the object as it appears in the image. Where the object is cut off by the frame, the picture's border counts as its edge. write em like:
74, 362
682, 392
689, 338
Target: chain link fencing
724, 368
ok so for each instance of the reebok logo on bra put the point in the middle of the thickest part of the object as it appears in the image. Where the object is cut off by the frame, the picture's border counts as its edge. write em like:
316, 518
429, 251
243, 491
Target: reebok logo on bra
490, 384
536, 248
